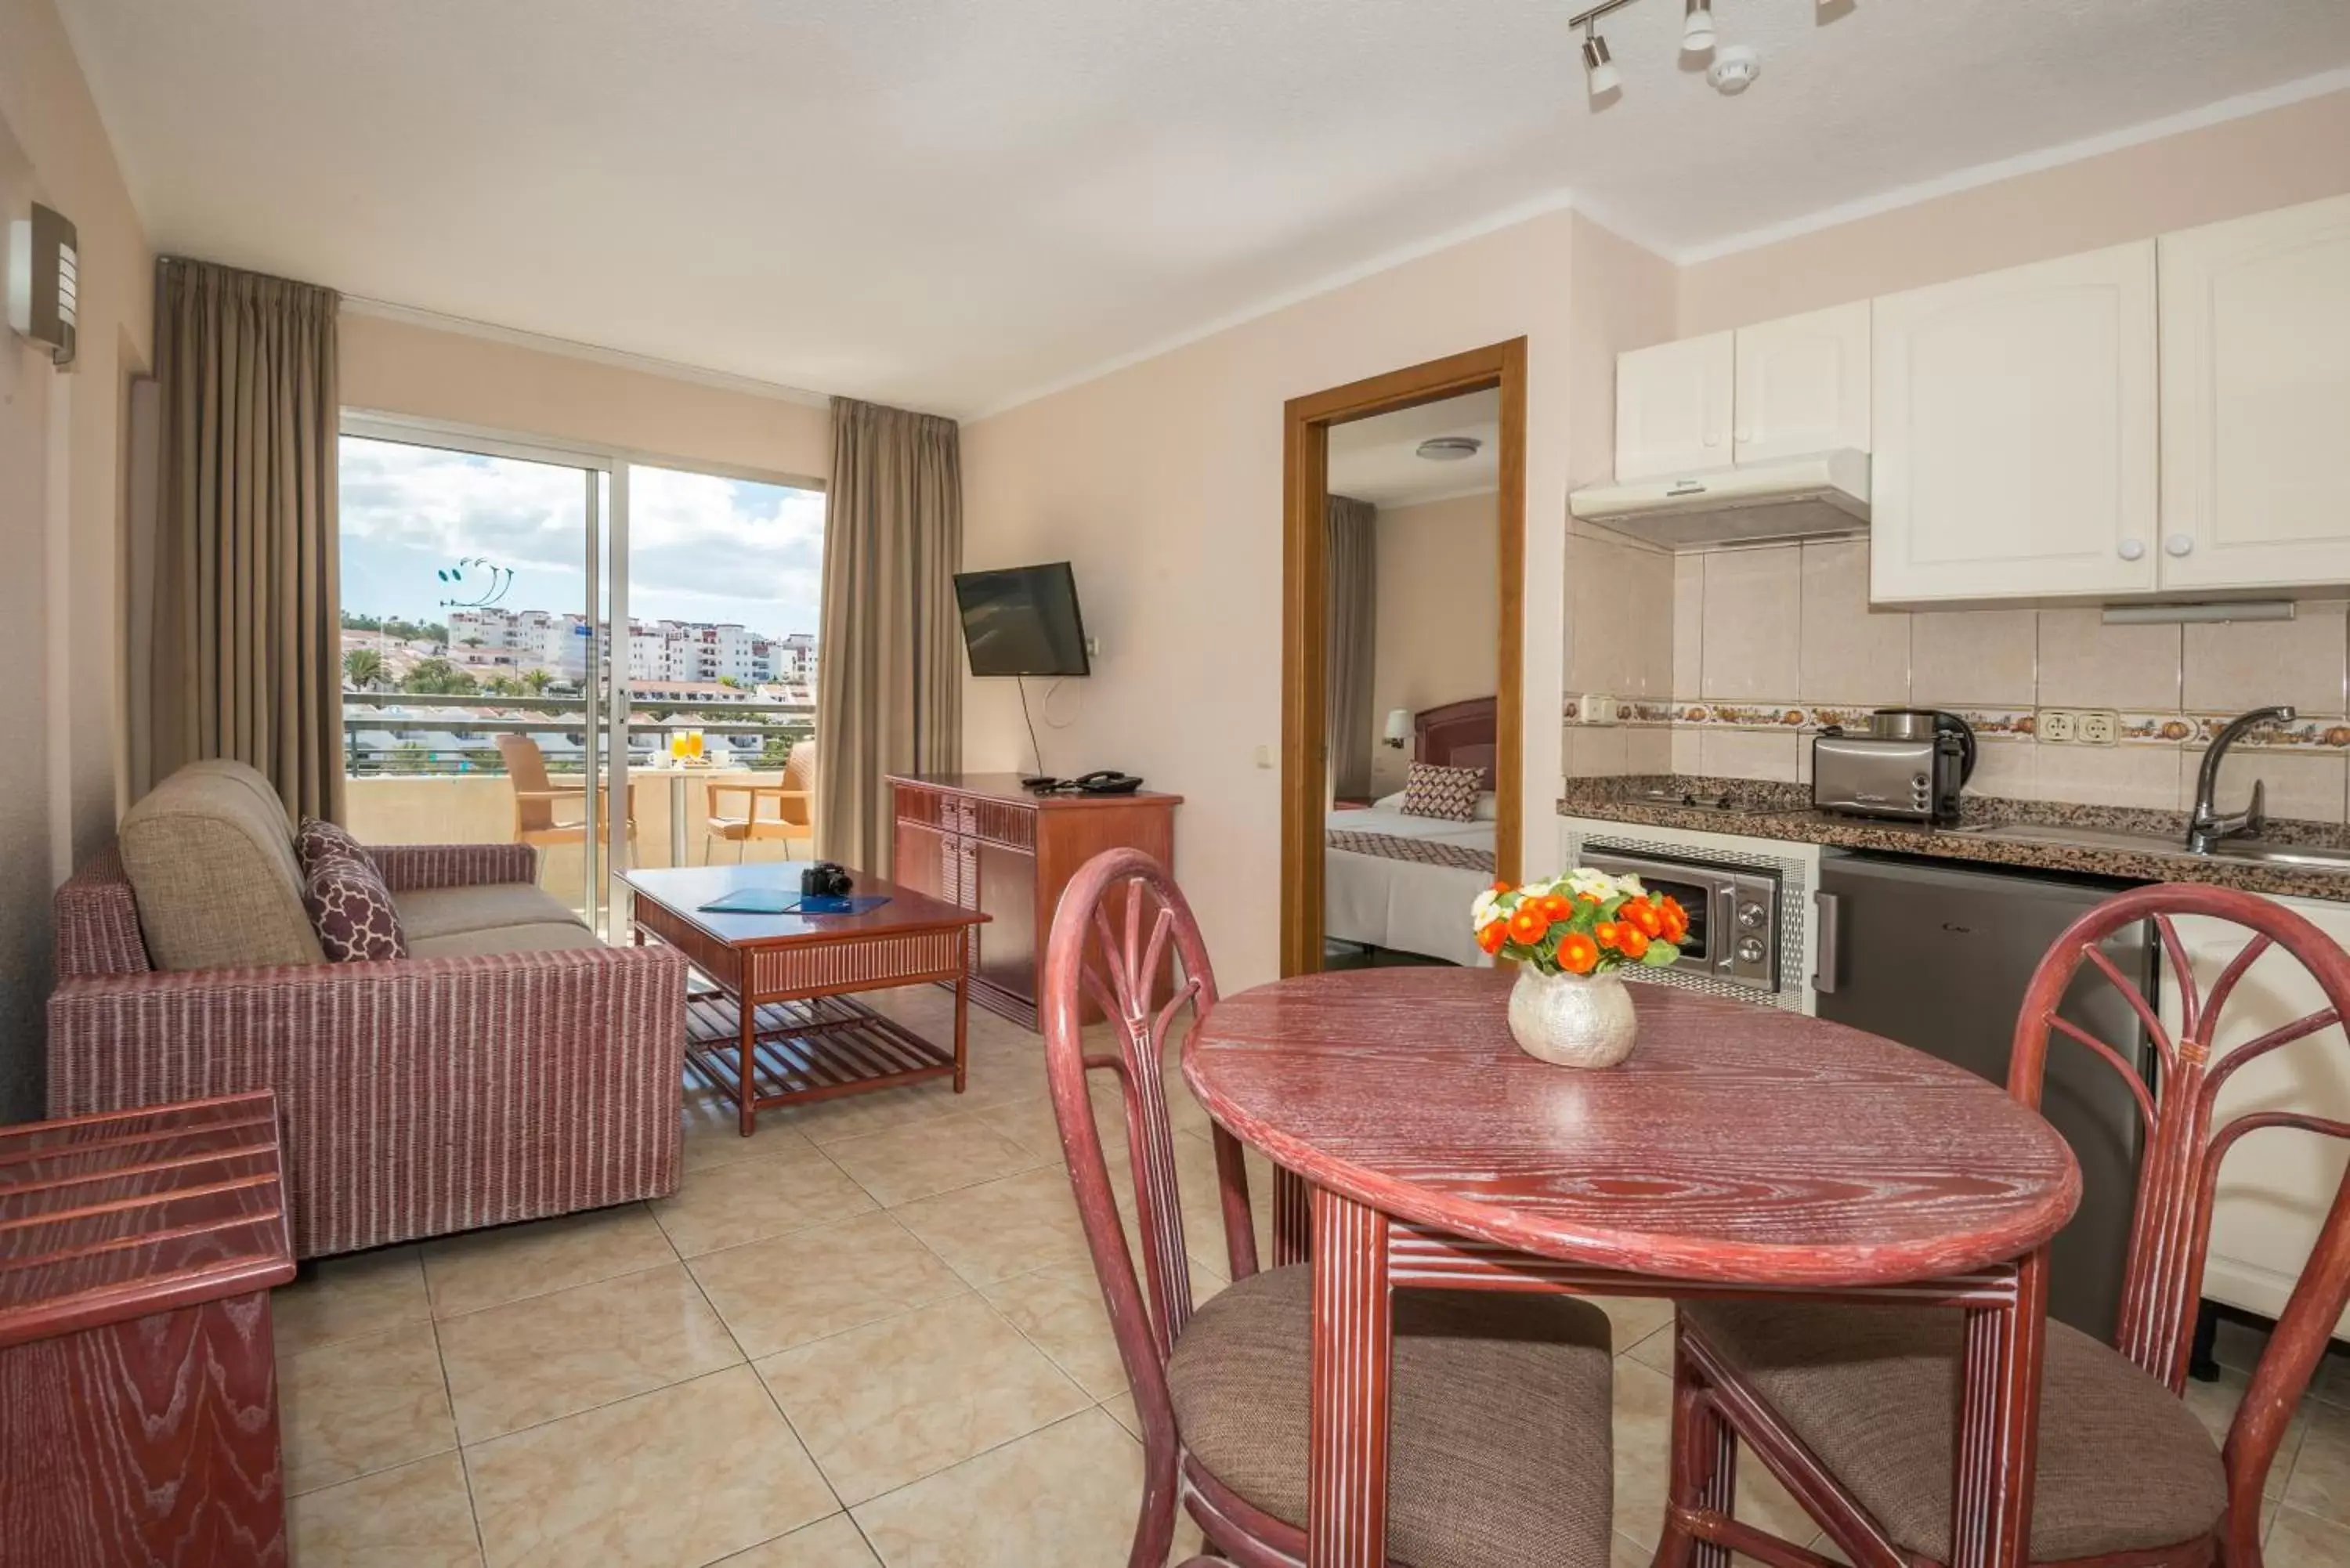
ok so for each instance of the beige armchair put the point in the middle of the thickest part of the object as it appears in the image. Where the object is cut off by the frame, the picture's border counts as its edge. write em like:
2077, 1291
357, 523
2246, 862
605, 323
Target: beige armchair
793, 814
535, 796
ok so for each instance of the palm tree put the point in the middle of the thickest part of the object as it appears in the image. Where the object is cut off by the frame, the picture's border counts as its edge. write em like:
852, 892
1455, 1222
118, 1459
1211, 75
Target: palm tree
363, 667
538, 680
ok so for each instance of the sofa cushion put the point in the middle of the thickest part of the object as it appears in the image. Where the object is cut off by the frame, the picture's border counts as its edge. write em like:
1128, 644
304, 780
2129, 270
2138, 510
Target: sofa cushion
318, 840
351, 908
428, 912
210, 857
541, 936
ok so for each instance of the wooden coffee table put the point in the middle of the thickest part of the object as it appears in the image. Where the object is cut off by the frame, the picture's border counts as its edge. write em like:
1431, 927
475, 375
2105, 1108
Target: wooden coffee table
782, 1026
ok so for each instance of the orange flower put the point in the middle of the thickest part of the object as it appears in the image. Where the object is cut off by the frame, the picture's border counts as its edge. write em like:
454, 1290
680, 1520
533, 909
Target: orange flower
1676, 920
1528, 925
1604, 933
1577, 953
1554, 907
1500, 887
1643, 915
1630, 943
1592, 899
1492, 935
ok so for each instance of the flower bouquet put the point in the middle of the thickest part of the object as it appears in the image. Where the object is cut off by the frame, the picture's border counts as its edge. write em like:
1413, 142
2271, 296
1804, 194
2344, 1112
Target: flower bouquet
1571, 936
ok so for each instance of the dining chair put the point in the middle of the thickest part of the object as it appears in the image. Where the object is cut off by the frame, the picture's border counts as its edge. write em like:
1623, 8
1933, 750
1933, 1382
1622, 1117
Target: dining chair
535, 796
1500, 1451
1853, 1407
794, 797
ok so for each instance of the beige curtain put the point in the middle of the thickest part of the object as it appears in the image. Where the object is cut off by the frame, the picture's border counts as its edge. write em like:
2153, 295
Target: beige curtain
1352, 642
890, 689
246, 660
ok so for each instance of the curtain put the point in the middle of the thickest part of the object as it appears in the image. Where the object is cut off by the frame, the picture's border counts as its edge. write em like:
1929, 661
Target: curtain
1353, 639
246, 655
890, 689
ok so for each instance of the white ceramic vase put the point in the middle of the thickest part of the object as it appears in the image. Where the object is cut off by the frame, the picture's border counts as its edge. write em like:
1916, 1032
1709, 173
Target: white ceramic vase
1573, 1020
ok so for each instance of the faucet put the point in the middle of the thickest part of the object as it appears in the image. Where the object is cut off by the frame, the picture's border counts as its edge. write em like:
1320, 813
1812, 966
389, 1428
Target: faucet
2205, 825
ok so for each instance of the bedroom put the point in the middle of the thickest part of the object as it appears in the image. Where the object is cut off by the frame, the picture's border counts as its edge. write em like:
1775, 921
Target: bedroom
1413, 574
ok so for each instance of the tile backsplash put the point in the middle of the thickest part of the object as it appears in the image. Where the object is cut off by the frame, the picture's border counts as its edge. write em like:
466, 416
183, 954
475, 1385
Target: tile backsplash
1725, 662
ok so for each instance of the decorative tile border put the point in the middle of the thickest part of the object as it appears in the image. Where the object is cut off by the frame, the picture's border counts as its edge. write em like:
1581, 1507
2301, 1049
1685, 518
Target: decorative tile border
2326, 735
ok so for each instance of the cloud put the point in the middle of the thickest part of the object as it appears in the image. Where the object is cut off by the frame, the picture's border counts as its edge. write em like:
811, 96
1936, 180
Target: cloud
701, 546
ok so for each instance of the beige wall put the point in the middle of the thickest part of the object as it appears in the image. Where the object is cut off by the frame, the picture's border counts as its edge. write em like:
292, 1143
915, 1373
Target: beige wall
1438, 573
1161, 483
404, 366
61, 496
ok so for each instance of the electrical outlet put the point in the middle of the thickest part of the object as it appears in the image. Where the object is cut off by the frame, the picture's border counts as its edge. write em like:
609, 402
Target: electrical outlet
2097, 727
1596, 707
2054, 725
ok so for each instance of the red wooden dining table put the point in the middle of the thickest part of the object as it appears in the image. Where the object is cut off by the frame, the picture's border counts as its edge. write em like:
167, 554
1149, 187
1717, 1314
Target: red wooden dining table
1742, 1150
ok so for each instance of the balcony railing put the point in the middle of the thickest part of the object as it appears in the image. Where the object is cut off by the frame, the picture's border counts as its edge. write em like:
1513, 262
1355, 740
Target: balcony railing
396, 733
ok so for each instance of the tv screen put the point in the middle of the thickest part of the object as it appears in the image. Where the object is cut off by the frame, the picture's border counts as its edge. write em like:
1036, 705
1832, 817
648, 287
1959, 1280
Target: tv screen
1022, 621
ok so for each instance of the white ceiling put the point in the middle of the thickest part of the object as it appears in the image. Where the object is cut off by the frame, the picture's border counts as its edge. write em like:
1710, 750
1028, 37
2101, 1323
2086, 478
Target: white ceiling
1378, 460
949, 203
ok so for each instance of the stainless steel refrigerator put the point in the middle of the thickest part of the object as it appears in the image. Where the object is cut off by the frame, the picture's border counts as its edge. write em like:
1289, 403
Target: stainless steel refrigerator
1937, 957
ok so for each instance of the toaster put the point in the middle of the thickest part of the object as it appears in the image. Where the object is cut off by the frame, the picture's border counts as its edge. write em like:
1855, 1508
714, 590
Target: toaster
1909, 764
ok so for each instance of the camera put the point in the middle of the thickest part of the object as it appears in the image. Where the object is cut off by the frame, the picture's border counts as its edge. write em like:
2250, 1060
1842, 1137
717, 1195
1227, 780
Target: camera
825, 879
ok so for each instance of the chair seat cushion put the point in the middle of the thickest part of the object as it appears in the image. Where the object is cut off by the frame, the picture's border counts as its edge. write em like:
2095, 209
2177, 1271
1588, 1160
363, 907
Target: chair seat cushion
429, 912
1499, 1448
2124, 1464
546, 937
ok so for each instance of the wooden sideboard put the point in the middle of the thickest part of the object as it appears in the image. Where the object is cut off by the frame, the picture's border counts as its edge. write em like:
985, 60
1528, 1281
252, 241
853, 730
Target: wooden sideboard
138, 1391
981, 841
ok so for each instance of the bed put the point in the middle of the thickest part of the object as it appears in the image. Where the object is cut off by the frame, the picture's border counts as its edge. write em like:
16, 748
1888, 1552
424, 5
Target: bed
1402, 882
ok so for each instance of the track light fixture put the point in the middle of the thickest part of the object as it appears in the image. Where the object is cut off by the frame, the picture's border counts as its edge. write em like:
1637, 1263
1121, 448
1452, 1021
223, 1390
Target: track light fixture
1697, 28
1734, 67
1603, 77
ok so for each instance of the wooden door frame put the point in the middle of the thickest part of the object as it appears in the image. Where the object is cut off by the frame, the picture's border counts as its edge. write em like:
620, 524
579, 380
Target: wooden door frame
1305, 615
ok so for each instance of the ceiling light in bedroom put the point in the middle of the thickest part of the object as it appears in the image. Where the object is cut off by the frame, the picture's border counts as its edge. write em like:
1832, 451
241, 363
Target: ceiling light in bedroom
1697, 32
1605, 78
1449, 449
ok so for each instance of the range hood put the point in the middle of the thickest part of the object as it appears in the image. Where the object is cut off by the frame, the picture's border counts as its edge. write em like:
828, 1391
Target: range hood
1795, 498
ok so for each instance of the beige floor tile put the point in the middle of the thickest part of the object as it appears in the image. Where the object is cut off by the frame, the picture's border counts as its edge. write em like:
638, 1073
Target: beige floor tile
1655, 1351
714, 1134
1081, 1484
854, 1116
1060, 1309
731, 1204
531, 1361
351, 1408
1634, 1318
1013, 1225
1122, 1410
418, 1516
1623, 1551
490, 1268
886, 1403
1033, 1125
2319, 1480
779, 1293
834, 1542
1644, 1424
2214, 1404
2298, 1540
936, 1155
686, 1474
350, 1298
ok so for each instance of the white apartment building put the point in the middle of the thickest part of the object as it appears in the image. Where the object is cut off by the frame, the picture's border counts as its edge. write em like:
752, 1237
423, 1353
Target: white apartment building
509, 642
699, 651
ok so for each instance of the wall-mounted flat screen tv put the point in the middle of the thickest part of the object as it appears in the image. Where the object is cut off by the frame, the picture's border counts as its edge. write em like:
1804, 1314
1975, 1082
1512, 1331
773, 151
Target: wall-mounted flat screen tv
1022, 620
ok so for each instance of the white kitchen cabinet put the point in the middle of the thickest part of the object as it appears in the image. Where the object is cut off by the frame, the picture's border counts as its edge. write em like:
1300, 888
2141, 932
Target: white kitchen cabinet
2276, 1184
2256, 399
1673, 408
1802, 385
2015, 432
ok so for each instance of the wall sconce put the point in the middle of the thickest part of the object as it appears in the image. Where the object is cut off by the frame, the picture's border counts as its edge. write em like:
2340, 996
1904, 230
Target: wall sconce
1398, 728
43, 280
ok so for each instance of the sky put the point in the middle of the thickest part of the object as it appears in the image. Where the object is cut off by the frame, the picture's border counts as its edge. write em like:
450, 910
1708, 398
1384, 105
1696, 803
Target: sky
700, 547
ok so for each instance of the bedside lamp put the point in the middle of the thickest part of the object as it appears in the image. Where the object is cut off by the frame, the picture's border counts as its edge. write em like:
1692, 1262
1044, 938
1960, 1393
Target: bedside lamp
1398, 728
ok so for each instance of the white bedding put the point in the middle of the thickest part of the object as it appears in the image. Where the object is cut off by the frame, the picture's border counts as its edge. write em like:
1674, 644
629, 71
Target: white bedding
1403, 905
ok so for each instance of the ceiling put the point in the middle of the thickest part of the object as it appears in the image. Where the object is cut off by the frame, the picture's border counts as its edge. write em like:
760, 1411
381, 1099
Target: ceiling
1378, 460
951, 204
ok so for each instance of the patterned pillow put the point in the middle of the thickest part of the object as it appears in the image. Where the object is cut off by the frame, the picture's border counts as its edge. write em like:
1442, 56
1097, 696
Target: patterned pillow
1449, 793
318, 840
352, 910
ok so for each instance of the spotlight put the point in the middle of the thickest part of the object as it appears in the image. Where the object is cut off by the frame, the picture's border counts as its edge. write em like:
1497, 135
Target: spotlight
1697, 33
1602, 70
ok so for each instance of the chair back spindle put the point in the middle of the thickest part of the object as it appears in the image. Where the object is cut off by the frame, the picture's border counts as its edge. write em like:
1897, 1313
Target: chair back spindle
2180, 1169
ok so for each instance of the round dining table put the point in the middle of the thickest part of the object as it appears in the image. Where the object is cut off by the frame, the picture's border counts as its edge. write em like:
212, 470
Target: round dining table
1742, 1149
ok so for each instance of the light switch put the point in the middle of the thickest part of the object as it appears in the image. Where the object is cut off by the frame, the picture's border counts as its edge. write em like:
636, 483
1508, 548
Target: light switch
1264, 756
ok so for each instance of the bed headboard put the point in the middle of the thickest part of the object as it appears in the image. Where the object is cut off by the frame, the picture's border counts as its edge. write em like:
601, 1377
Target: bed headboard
1456, 735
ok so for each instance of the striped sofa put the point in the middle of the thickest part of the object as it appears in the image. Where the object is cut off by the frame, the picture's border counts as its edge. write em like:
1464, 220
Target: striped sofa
512, 1069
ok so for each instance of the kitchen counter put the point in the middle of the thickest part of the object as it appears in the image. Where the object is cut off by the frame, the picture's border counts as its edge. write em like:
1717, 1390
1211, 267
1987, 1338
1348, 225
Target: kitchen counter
1754, 808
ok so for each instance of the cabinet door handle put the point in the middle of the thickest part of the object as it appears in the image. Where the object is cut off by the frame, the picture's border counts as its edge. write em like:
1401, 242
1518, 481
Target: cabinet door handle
1831, 912
2179, 545
2131, 549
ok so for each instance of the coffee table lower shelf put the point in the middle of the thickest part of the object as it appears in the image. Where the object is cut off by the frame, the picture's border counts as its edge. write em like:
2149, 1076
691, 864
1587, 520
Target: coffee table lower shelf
805, 1050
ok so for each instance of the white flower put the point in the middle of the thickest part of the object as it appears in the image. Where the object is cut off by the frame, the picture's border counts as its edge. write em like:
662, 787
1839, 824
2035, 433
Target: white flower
1480, 909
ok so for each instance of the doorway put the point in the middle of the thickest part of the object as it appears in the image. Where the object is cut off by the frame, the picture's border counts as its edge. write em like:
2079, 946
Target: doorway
1306, 782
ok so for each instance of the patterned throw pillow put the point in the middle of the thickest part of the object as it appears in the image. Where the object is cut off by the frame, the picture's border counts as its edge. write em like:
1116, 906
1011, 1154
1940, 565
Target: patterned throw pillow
318, 840
1449, 793
352, 910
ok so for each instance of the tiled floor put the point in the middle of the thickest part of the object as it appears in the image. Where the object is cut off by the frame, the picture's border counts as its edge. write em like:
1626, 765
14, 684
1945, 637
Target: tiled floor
868, 1334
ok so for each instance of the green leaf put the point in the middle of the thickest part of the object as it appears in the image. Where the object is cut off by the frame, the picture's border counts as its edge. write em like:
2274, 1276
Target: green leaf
1660, 954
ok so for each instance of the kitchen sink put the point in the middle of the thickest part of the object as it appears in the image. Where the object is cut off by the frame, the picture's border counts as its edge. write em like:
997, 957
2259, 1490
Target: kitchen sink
2262, 852
2257, 851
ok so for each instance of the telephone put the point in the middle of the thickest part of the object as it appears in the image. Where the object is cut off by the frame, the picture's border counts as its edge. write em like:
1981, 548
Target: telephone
1106, 781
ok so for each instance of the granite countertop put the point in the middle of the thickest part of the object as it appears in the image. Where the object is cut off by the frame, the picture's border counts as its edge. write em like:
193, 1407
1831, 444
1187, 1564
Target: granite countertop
1754, 808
